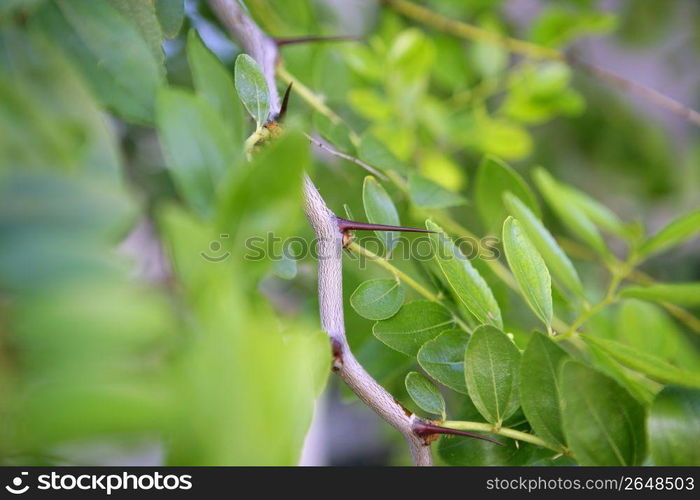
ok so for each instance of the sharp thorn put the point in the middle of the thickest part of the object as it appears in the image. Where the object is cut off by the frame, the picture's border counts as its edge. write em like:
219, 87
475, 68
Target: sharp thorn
423, 428
348, 225
285, 102
312, 39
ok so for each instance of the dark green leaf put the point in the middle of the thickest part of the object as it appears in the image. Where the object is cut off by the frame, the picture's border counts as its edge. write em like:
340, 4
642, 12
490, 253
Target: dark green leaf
196, 145
494, 178
466, 281
674, 427
555, 258
443, 359
427, 194
415, 324
539, 387
252, 88
425, 394
113, 58
377, 299
170, 14
674, 234
603, 424
529, 270
685, 294
646, 363
464, 451
491, 369
380, 210
143, 16
214, 83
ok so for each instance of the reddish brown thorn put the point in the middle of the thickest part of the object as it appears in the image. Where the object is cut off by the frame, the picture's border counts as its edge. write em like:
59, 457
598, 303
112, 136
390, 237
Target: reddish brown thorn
425, 430
348, 225
285, 102
312, 39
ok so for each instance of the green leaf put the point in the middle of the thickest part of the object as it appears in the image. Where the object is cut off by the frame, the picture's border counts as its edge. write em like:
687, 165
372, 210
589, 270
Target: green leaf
443, 358
674, 234
214, 83
555, 258
685, 294
109, 52
556, 25
373, 151
427, 194
570, 214
336, 133
170, 13
380, 210
603, 424
464, 279
494, 178
491, 370
143, 16
598, 213
529, 270
415, 324
674, 427
476, 452
605, 363
645, 363
539, 387
197, 147
252, 88
377, 299
647, 327
425, 394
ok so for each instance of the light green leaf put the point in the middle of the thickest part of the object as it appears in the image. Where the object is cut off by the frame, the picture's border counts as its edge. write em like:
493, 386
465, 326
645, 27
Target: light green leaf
214, 83
651, 366
674, 427
598, 213
493, 178
142, 14
556, 25
570, 214
252, 88
539, 387
197, 147
603, 424
555, 258
109, 52
605, 363
491, 370
464, 279
372, 151
443, 358
377, 299
427, 194
337, 134
425, 394
415, 324
685, 294
380, 210
170, 13
674, 234
529, 270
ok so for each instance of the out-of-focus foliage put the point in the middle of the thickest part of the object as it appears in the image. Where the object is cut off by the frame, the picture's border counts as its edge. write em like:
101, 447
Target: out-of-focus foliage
137, 302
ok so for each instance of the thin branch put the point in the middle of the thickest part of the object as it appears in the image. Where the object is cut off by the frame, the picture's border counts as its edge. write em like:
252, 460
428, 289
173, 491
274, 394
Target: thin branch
532, 50
330, 248
330, 294
331, 150
502, 431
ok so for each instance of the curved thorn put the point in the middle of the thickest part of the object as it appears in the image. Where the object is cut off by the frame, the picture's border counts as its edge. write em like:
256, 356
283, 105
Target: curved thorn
311, 39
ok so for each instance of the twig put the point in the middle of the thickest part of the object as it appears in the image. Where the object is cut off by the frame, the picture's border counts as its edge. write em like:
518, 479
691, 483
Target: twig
529, 49
330, 247
329, 149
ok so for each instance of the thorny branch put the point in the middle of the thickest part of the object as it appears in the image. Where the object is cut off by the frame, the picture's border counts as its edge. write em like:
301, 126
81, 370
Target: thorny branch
330, 231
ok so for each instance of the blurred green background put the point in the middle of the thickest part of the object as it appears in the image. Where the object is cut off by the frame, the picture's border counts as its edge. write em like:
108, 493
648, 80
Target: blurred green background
124, 340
